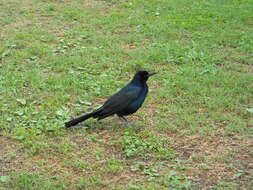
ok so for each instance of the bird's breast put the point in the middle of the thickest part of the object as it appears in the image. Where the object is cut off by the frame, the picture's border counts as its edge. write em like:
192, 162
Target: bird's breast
136, 104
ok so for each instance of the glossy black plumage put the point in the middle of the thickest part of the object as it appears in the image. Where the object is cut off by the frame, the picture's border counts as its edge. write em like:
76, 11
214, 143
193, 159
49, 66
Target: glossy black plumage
127, 101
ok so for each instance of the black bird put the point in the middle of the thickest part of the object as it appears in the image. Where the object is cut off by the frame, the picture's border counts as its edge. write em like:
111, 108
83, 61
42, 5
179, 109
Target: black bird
127, 101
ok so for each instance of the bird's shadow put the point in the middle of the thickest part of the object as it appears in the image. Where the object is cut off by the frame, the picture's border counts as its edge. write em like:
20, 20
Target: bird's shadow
111, 124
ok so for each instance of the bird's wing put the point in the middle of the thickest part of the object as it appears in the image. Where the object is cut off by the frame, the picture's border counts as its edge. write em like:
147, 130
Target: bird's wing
119, 101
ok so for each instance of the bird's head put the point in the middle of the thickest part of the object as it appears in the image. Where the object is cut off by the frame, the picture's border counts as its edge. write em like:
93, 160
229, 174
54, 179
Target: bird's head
143, 75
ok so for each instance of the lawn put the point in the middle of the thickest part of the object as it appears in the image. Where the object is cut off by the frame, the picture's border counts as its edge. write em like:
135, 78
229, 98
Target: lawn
62, 58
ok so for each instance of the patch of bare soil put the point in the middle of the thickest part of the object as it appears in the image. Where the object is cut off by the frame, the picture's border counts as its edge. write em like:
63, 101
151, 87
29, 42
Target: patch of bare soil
129, 46
215, 157
9, 155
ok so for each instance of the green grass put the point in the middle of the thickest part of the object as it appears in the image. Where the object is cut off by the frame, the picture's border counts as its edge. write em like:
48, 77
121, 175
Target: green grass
61, 58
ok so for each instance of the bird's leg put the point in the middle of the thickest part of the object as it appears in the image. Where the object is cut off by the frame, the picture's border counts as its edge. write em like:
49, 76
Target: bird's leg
124, 120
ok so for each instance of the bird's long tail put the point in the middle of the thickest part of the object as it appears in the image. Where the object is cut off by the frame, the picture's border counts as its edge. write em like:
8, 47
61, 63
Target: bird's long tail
78, 120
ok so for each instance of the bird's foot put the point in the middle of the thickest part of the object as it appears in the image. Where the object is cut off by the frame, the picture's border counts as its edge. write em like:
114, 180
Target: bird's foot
124, 121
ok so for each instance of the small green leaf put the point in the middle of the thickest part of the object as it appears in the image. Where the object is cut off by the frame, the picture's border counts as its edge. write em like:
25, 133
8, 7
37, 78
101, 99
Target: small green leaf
60, 113
50, 129
19, 113
9, 118
5, 53
157, 14
250, 110
238, 175
19, 137
85, 102
33, 58
5, 179
81, 68
21, 101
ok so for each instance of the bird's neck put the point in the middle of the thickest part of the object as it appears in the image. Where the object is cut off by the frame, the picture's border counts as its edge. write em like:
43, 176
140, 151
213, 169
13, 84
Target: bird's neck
138, 82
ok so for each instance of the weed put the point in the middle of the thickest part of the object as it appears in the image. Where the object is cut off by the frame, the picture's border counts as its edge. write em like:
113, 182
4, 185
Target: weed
133, 145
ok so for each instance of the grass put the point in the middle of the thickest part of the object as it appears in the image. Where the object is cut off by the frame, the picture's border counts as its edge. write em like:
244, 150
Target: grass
61, 58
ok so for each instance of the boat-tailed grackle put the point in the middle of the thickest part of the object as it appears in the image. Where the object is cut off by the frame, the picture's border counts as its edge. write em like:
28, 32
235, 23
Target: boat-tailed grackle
125, 102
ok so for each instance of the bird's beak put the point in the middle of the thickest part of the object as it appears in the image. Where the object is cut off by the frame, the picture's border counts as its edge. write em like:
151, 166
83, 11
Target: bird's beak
151, 73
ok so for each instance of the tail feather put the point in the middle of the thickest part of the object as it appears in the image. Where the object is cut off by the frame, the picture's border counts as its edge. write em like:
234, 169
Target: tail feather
78, 120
